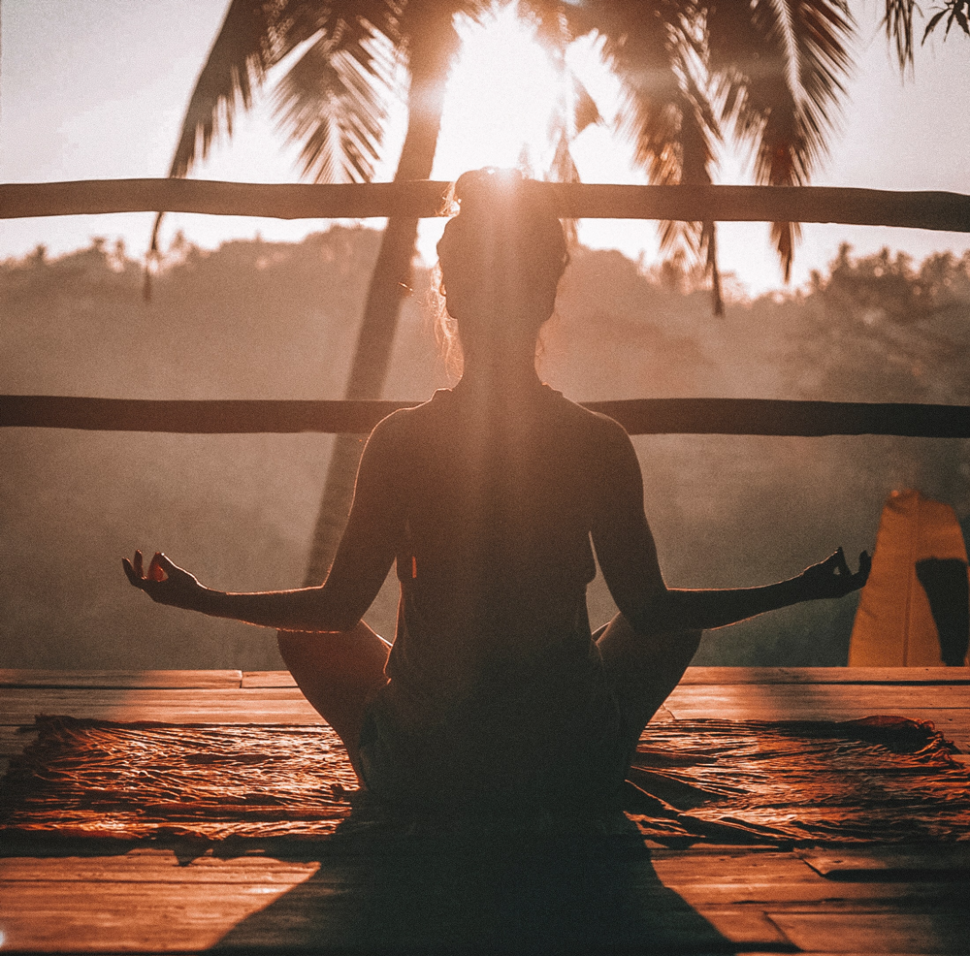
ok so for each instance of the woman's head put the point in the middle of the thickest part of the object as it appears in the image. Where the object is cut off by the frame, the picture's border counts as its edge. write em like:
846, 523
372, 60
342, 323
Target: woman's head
501, 257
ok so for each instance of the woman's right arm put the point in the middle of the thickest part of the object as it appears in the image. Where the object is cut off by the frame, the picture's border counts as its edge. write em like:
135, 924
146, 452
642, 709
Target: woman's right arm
301, 609
366, 553
628, 558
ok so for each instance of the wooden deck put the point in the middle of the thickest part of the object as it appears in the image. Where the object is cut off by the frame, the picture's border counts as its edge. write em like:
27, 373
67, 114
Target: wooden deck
285, 898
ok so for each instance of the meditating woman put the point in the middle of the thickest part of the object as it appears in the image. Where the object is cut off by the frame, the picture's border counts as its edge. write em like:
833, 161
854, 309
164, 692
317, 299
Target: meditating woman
492, 498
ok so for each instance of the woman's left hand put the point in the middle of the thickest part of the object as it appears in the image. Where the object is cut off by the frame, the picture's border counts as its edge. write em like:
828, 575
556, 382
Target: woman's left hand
833, 578
164, 581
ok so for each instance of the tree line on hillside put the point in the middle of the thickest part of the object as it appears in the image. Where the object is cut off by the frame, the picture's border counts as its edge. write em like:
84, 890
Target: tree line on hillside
258, 319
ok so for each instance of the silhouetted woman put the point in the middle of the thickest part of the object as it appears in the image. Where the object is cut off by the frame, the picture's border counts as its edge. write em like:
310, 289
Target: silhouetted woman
492, 499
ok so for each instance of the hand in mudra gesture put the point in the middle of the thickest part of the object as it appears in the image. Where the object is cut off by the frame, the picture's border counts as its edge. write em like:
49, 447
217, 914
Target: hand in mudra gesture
164, 581
833, 578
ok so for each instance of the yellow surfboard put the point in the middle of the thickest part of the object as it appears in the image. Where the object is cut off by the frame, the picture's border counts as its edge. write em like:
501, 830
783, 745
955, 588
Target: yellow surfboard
894, 625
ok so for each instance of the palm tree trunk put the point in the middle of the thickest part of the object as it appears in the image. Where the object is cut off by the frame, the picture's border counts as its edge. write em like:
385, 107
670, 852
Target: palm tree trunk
388, 286
368, 373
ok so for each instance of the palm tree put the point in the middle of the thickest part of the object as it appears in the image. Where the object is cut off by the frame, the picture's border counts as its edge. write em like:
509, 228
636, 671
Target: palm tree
334, 102
769, 71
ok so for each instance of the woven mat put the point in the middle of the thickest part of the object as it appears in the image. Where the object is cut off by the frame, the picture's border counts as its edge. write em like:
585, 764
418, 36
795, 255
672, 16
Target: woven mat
882, 779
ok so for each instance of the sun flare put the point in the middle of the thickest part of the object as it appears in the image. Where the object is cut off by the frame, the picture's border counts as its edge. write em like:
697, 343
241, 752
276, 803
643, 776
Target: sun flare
501, 97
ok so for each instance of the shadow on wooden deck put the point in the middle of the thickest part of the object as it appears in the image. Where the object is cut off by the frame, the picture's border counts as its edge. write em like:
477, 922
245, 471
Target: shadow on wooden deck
504, 895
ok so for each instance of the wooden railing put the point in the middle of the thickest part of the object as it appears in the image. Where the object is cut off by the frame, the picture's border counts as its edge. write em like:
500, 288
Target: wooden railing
657, 416
922, 210
944, 211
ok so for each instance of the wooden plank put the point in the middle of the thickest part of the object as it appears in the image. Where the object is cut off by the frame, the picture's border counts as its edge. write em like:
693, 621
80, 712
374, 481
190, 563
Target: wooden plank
309, 915
194, 416
727, 865
102, 917
13, 740
826, 675
267, 679
201, 679
18, 706
694, 676
824, 896
945, 706
945, 211
746, 675
211, 197
950, 862
826, 699
895, 676
950, 721
144, 902
943, 932
155, 866
296, 713
745, 927
161, 696
885, 698
640, 416
724, 889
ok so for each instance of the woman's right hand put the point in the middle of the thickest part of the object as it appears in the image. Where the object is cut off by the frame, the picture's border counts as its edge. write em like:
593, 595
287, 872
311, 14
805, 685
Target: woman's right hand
164, 581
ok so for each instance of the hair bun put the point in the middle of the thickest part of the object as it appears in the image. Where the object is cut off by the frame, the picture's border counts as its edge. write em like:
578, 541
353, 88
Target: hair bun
486, 191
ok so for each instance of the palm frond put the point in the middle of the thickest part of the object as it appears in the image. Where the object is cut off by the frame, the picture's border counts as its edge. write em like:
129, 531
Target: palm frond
554, 21
897, 21
255, 36
650, 111
237, 64
779, 68
788, 59
665, 113
955, 11
334, 103
585, 112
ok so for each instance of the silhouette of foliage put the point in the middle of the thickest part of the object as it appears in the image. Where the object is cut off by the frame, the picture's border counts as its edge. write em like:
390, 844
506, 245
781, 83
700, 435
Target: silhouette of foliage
955, 11
883, 286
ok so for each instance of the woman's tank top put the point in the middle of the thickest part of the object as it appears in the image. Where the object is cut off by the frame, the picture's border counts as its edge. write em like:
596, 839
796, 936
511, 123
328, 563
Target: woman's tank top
496, 691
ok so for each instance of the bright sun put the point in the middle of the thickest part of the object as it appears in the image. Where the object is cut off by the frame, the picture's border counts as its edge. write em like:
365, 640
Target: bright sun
501, 94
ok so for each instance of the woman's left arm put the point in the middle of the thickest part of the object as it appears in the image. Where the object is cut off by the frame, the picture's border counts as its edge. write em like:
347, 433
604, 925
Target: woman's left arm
367, 550
628, 558
674, 608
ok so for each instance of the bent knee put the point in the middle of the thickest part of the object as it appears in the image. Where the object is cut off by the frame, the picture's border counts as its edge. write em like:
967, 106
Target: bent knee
676, 648
692, 640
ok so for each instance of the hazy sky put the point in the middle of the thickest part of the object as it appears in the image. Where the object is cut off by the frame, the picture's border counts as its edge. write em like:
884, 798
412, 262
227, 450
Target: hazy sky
95, 89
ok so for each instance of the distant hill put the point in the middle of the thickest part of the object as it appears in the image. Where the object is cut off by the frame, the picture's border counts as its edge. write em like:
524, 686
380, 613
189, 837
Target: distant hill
272, 320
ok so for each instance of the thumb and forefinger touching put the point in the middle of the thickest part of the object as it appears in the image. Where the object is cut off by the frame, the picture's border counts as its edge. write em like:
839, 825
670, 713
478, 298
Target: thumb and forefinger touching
159, 570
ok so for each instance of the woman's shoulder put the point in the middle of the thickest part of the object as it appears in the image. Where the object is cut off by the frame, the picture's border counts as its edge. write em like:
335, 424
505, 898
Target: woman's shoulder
598, 426
402, 423
553, 408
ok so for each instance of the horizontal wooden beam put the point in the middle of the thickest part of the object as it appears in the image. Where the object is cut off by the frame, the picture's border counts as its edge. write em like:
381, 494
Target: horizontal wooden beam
654, 416
944, 211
